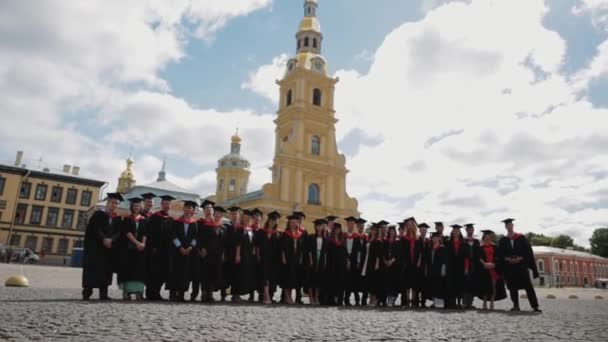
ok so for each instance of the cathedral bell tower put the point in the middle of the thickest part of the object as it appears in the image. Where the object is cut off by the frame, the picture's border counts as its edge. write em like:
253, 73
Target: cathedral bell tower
126, 181
232, 173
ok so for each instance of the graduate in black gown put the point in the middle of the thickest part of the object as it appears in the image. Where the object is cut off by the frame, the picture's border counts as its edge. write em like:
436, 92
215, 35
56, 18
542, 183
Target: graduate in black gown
392, 261
183, 252
456, 268
472, 266
439, 227
353, 250
315, 249
234, 218
436, 259
100, 238
132, 274
258, 232
244, 259
491, 284
210, 243
371, 271
422, 281
158, 246
336, 266
412, 264
517, 258
291, 249
360, 287
267, 247
148, 204
302, 264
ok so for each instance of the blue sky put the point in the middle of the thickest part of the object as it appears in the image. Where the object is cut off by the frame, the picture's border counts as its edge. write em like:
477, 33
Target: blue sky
474, 109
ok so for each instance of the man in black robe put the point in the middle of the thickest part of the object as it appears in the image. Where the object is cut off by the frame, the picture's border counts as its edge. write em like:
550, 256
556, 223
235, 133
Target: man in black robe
157, 249
228, 248
517, 258
100, 239
472, 266
353, 246
148, 204
439, 229
360, 258
183, 242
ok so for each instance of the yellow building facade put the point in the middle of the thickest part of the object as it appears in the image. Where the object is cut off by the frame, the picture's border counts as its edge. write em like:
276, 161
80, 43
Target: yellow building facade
308, 172
44, 210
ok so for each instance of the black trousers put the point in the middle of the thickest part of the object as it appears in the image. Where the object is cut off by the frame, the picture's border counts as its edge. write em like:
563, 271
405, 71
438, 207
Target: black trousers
529, 292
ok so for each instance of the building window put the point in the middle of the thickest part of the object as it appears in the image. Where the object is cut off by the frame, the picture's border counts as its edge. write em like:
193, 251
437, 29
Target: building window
40, 192
316, 145
56, 194
62, 247
15, 240
306, 42
78, 243
67, 220
51, 217
585, 268
85, 200
555, 266
289, 97
313, 194
232, 185
70, 197
314, 43
564, 267
36, 214
316, 97
299, 43
81, 223
31, 242
26, 188
21, 212
2, 182
47, 245
577, 268
571, 267
220, 185
541, 265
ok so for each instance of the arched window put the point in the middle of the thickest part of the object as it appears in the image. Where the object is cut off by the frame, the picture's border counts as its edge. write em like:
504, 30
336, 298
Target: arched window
541, 265
313, 194
571, 266
232, 185
220, 185
316, 145
289, 97
555, 266
577, 270
584, 268
306, 42
314, 43
564, 267
316, 97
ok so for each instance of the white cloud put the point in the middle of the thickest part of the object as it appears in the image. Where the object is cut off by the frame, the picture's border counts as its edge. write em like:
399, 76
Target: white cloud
263, 80
598, 9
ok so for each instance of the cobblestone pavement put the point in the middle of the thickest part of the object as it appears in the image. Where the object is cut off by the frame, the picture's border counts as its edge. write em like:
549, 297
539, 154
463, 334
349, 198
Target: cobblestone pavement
58, 314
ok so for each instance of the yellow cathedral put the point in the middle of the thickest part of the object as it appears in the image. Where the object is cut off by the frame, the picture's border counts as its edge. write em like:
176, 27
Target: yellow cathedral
308, 172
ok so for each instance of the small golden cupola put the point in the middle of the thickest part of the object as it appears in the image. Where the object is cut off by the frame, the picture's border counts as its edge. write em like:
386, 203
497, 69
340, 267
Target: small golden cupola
232, 172
126, 181
309, 40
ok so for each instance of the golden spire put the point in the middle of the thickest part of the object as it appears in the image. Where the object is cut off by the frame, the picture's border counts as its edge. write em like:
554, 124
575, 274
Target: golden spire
127, 179
236, 139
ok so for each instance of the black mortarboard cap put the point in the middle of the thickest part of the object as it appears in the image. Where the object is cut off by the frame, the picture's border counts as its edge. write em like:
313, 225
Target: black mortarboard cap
439, 223
275, 215
299, 214
331, 218
148, 195
361, 221
423, 225
189, 203
509, 220
135, 199
350, 219
234, 208
487, 231
115, 195
469, 225
294, 216
247, 212
220, 209
383, 223
337, 225
320, 221
207, 202
257, 211
456, 226
167, 198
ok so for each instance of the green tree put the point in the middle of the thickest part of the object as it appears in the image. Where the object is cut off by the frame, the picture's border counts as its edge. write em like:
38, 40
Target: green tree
562, 241
599, 242
539, 239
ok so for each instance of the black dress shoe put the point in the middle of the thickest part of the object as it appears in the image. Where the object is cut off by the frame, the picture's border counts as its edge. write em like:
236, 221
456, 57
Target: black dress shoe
105, 299
537, 310
515, 309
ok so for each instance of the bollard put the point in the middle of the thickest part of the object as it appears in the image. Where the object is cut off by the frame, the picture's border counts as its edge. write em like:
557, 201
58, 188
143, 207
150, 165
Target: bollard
572, 297
17, 281
550, 296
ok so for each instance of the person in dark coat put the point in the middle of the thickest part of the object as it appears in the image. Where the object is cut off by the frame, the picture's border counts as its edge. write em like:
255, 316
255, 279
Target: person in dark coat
291, 257
472, 266
316, 252
211, 253
491, 286
436, 270
148, 204
371, 271
158, 246
422, 281
392, 261
132, 275
228, 248
100, 239
456, 268
353, 250
183, 239
336, 266
258, 231
517, 258
439, 227
360, 260
412, 264
244, 259
267, 245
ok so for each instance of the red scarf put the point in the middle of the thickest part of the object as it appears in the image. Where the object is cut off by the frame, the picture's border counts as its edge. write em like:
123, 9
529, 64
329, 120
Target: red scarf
293, 235
336, 242
161, 214
437, 247
188, 221
301, 229
112, 215
489, 252
270, 232
136, 218
456, 245
351, 236
210, 223
363, 237
255, 227
515, 236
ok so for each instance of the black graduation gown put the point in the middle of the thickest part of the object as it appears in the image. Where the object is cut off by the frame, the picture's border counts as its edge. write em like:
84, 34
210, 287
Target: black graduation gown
98, 262
355, 256
228, 262
210, 238
244, 272
455, 271
517, 275
316, 260
412, 257
183, 268
436, 259
392, 274
258, 234
268, 246
471, 280
422, 282
484, 287
373, 277
158, 245
292, 247
335, 270
133, 262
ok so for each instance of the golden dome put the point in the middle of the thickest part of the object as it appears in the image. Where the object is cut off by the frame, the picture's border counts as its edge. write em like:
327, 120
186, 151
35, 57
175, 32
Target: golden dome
236, 139
128, 173
310, 24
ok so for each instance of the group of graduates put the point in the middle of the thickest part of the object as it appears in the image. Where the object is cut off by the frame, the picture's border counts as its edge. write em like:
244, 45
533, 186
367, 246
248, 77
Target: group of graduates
385, 265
